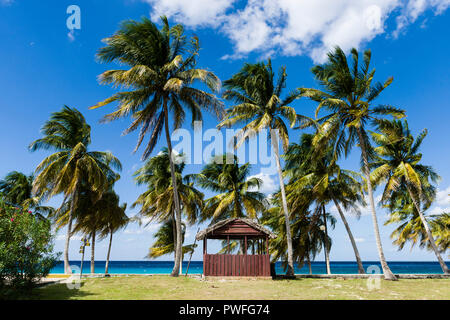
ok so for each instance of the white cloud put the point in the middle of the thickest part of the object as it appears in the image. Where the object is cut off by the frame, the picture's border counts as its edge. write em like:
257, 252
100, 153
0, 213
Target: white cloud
192, 13
438, 210
296, 27
443, 197
268, 183
414, 8
360, 239
62, 237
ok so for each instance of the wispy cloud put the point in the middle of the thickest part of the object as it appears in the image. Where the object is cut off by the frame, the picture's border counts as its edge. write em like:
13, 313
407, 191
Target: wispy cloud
296, 27
6, 2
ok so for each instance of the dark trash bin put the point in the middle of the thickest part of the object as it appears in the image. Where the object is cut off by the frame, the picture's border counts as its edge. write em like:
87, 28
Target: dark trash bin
273, 273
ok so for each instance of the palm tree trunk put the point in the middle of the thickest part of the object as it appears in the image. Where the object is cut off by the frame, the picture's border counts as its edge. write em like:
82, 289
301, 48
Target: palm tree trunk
325, 244
428, 231
352, 240
178, 247
109, 253
67, 269
93, 253
309, 264
174, 232
290, 271
388, 275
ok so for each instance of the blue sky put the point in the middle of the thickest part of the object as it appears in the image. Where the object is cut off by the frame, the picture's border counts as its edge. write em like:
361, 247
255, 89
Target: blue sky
45, 66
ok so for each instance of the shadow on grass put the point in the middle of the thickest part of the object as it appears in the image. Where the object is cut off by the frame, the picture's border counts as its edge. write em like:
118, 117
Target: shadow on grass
285, 277
58, 291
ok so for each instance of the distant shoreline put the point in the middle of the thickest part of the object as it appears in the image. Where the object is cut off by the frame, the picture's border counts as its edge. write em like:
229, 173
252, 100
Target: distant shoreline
149, 267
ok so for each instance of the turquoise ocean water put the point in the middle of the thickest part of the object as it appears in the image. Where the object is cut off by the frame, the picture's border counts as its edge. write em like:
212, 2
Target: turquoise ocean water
196, 267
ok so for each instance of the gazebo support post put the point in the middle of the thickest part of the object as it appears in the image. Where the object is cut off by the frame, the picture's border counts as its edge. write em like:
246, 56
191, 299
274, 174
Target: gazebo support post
245, 245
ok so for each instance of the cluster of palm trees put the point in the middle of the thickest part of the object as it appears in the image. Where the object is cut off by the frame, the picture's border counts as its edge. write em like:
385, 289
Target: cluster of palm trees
161, 80
84, 178
162, 71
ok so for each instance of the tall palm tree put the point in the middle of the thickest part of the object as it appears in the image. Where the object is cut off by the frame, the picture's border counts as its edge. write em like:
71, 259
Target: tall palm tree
72, 165
238, 195
322, 179
349, 94
157, 202
259, 105
398, 163
88, 218
160, 76
94, 215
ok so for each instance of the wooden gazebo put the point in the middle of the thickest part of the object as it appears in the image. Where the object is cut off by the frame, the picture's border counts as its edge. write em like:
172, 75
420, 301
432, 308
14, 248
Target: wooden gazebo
256, 264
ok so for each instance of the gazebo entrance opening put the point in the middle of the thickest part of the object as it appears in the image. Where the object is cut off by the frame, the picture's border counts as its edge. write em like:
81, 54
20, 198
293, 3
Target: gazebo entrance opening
252, 237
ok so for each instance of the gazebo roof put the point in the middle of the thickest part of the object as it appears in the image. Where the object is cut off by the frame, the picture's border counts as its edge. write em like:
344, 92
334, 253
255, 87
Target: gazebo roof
223, 223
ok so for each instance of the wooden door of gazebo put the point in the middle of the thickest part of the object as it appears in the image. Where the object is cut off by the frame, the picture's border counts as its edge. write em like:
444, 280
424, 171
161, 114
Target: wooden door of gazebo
237, 265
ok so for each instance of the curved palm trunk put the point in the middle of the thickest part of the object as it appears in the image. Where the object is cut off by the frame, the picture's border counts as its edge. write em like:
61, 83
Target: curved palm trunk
174, 232
388, 275
352, 240
109, 253
325, 244
178, 247
429, 234
290, 271
67, 269
93, 253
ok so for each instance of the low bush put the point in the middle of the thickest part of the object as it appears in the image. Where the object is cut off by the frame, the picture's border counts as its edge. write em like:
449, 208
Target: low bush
26, 250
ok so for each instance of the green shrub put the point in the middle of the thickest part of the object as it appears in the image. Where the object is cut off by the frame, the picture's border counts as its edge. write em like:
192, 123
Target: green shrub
26, 250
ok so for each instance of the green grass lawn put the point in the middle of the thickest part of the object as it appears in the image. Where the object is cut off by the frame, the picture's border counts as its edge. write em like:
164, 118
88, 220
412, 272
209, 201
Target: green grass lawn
165, 287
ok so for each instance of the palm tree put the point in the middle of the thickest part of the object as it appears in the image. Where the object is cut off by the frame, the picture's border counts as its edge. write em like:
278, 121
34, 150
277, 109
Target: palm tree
259, 106
95, 214
398, 163
237, 193
349, 94
89, 218
321, 178
161, 71
71, 166
440, 226
113, 219
157, 201
17, 190
165, 241
309, 234
410, 227
16, 187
